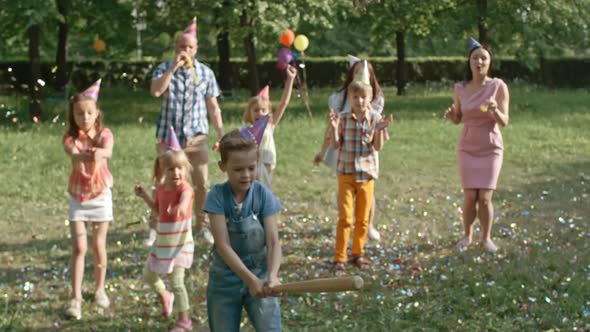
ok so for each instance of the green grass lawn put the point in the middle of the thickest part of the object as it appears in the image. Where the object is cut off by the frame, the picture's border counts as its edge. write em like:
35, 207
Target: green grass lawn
539, 280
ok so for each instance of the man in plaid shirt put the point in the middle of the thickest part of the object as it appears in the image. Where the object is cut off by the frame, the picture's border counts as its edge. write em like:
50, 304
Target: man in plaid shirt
189, 91
356, 136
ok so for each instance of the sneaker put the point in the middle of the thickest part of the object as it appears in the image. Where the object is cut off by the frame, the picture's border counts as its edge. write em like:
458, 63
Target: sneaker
206, 235
101, 299
74, 309
374, 234
151, 238
490, 247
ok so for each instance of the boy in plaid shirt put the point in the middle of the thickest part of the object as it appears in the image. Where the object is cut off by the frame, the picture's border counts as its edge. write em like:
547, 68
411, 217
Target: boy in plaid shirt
357, 136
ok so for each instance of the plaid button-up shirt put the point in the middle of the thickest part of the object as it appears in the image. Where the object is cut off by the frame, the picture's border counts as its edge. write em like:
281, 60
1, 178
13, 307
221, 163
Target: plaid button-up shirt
356, 154
184, 103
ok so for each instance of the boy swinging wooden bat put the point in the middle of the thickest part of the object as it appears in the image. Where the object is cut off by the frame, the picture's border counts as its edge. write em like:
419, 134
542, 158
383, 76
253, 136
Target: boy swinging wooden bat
338, 284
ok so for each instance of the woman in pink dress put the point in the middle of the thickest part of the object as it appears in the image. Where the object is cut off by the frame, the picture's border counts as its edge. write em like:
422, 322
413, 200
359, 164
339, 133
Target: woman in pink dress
481, 103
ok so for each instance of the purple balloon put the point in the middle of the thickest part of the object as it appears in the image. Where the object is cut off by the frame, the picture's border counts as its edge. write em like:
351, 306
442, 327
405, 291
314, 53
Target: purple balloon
285, 55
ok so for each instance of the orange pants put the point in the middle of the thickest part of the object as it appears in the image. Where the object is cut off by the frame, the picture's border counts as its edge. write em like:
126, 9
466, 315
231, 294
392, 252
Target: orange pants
353, 198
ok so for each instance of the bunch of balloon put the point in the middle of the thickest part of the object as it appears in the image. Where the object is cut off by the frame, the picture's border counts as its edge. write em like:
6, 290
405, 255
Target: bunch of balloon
287, 57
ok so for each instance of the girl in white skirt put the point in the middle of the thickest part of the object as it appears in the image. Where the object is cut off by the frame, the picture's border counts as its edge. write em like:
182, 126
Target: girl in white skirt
89, 145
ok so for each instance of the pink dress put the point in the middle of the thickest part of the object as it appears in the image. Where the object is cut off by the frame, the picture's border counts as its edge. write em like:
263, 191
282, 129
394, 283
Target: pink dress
479, 147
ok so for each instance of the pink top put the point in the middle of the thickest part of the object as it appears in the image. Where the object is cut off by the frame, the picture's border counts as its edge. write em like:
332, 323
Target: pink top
89, 178
474, 114
174, 245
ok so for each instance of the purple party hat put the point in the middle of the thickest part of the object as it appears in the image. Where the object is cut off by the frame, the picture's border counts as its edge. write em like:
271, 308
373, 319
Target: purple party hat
254, 132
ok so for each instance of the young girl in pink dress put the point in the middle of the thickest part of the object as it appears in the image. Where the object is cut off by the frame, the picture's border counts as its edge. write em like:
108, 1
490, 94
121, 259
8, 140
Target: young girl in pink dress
481, 103
172, 252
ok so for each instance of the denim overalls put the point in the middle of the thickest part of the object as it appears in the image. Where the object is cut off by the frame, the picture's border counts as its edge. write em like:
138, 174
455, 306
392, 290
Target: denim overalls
226, 292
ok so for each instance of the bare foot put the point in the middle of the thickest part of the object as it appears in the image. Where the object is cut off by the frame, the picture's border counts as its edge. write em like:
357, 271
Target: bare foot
167, 302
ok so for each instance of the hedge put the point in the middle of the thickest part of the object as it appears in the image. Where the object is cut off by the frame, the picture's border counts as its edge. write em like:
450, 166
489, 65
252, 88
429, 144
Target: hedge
320, 72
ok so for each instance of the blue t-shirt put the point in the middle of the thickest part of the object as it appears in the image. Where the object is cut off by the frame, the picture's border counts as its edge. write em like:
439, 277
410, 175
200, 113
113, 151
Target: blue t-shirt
266, 203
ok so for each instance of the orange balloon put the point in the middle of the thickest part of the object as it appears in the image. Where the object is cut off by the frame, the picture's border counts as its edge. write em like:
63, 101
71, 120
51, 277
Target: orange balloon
287, 38
99, 45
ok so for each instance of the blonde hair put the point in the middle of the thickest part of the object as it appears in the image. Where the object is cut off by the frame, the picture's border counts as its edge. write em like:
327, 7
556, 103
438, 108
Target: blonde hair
174, 158
356, 86
255, 101
234, 142
158, 172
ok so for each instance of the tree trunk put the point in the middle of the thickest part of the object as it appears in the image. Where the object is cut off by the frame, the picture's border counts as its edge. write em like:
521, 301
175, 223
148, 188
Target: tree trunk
223, 49
482, 24
253, 81
225, 67
400, 74
35, 67
61, 75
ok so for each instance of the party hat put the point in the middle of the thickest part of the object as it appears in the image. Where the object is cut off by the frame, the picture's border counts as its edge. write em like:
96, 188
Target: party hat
362, 74
254, 132
191, 29
172, 141
264, 93
93, 90
352, 59
473, 44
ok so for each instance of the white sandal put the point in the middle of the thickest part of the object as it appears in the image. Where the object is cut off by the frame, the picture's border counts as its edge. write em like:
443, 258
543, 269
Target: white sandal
463, 243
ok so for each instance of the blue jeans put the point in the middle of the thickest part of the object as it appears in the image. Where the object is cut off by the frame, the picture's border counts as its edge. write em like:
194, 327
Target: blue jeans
227, 294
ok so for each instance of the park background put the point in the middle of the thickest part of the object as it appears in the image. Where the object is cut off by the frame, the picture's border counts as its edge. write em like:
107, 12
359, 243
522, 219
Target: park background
419, 281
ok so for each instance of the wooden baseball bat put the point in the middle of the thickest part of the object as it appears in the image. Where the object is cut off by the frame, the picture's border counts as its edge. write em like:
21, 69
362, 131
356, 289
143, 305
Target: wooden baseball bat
338, 284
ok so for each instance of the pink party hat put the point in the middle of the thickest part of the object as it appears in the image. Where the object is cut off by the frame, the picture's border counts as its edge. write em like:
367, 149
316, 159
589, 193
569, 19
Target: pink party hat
191, 29
264, 93
362, 74
352, 59
93, 90
254, 132
473, 44
172, 141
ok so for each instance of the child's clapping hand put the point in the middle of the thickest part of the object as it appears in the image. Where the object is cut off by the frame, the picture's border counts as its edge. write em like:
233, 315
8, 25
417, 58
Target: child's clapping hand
334, 119
384, 122
86, 155
139, 190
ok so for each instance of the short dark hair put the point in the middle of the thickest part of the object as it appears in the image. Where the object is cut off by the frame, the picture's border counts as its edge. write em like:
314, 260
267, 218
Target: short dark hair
234, 142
